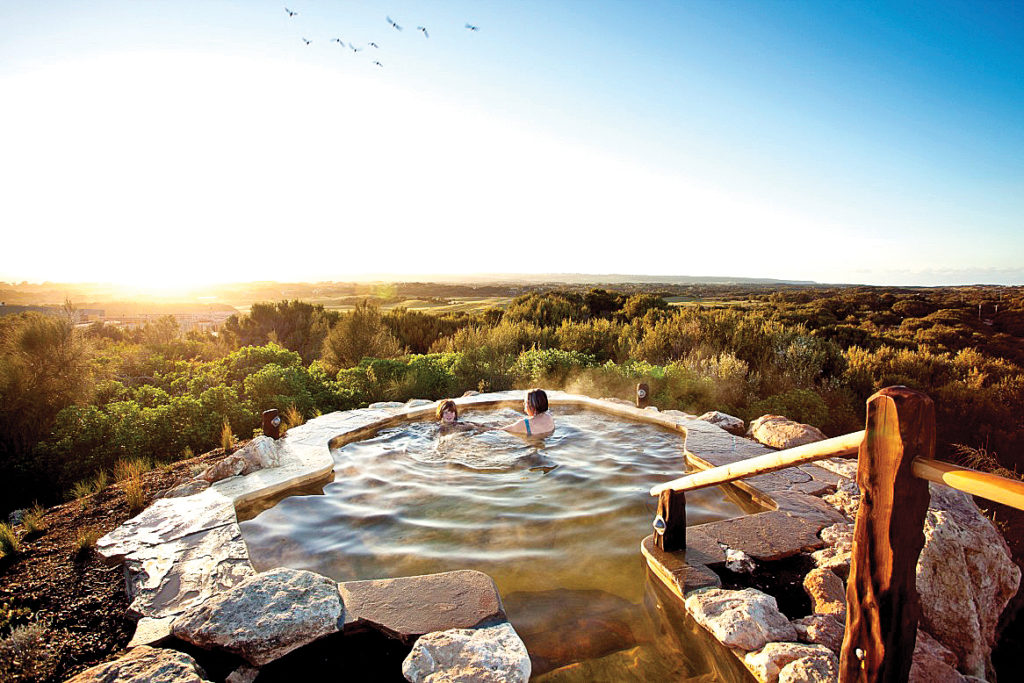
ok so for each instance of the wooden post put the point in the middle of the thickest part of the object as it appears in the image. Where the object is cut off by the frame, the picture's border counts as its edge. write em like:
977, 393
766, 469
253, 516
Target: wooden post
883, 606
670, 524
272, 423
643, 395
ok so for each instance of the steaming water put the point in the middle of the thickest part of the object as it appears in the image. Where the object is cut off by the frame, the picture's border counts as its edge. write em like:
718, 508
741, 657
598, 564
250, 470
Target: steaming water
557, 522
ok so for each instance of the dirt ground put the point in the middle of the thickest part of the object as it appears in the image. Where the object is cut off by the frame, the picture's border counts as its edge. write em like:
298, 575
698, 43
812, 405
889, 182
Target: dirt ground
79, 600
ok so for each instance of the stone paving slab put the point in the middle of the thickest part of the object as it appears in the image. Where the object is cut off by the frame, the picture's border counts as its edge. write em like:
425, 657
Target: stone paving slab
680, 575
169, 578
766, 536
810, 508
408, 607
168, 519
300, 465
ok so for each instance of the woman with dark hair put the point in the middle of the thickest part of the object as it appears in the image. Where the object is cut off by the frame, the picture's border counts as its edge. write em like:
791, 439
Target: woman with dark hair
538, 420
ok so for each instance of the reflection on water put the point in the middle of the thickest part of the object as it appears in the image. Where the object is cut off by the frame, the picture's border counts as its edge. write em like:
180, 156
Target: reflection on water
557, 522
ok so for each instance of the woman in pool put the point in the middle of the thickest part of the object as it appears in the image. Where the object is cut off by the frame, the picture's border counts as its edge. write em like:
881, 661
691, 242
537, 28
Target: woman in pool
538, 420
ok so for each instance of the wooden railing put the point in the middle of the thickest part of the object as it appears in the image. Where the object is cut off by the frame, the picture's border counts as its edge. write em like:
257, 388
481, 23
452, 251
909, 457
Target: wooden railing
894, 465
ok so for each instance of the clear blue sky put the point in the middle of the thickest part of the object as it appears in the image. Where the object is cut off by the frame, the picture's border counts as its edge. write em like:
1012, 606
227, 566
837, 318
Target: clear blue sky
834, 141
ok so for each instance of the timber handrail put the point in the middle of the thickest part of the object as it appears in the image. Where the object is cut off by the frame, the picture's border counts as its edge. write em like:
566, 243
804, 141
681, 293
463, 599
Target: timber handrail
981, 484
847, 444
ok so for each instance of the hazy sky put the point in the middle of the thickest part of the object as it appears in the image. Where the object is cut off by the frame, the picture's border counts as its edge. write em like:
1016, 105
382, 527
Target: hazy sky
175, 142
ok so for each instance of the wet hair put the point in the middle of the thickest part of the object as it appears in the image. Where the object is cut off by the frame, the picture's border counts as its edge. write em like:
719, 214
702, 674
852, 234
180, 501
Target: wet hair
447, 404
538, 400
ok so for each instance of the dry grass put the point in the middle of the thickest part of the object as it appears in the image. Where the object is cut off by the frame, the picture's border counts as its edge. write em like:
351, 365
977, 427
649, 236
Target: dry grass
134, 494
33, 519
292, 418
85, 541
9, 543
131, 469
227, 437
981, 459
23, 653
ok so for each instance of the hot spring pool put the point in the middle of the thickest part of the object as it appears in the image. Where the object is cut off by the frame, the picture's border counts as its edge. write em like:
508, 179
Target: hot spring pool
557, 522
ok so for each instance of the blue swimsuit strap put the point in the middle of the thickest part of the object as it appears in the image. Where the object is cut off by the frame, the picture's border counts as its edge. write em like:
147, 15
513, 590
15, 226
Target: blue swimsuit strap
527, 422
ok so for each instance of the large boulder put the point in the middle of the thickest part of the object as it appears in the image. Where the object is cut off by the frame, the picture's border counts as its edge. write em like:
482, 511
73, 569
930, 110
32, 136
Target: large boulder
230, 466
260, 453
816, 669
781, 432
265, 616
745, 619
767, 663
733, 425
146, 665
965, 576
492, 654
933, 662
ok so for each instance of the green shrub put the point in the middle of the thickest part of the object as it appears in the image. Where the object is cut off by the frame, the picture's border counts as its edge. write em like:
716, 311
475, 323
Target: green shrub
551, 367
801, 405
10, 545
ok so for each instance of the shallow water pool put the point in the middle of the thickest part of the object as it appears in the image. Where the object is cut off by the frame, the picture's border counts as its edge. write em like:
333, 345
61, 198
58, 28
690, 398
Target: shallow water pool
557, 522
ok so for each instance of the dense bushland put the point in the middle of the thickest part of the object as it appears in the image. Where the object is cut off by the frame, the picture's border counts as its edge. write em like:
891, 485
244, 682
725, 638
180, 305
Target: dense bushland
75, 401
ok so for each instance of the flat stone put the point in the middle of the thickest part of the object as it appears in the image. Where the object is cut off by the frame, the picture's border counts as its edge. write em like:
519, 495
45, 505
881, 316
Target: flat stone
408, 607
817, 669
146, 665
150, 631
810, 508
167, 519
491, 654
265, 616
386, 405
844, 467
766, 536
172, 577
744, 620
417, 402
822, 474
683, 571
821, 629
767, 662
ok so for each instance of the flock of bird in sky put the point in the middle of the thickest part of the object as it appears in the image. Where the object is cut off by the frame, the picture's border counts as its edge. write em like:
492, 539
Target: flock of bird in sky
354, 48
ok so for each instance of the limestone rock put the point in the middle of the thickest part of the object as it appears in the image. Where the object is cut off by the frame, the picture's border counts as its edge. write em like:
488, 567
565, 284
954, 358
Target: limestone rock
492, 654
379, 405
836, 556
408, 607
230, 466
965, 576
846, 498
145, 665
243, 674
417, 402
821, 629
266, 616
260, 453
733, 425
767, 662
188, 488
818, 669
745, 619
780, 432
844, 467
827, 592
933, 662
150, 631
471, 392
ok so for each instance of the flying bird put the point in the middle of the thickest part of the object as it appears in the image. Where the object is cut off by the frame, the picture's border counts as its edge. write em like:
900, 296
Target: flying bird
307, 42
374, 45
354, 48
472, 28
392, 22
290, 13
339, 41
423, 29
378, 63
